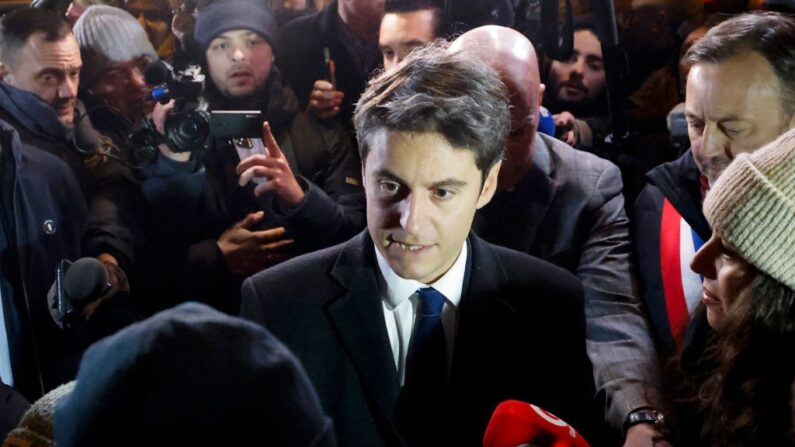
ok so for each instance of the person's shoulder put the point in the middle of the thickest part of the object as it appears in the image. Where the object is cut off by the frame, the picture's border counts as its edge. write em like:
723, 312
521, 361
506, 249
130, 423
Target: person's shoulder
299, 27
524, 272
569, 158
303, 270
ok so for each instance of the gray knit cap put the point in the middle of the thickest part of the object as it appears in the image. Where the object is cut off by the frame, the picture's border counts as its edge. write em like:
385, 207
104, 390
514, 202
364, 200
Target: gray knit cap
752, 207
107, 34
221, 16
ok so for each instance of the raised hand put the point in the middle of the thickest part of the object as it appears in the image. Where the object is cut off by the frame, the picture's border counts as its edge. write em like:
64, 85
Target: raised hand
275, 169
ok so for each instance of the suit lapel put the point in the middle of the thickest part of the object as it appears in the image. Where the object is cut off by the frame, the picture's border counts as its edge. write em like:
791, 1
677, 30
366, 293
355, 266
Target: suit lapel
358, 318
537, 192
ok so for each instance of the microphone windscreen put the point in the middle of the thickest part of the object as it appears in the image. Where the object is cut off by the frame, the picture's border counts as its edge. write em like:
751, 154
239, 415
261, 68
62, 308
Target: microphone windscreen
515, 423
156, 73
86, 279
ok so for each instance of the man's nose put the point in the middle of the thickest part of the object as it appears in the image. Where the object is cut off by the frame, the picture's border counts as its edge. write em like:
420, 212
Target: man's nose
413, 213
713, 142
68, 88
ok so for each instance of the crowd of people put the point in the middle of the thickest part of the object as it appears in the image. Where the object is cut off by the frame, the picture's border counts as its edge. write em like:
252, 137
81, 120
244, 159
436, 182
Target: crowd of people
371, 222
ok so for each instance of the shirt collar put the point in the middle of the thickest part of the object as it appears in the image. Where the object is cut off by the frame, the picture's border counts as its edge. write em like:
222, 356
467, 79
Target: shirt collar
398, 289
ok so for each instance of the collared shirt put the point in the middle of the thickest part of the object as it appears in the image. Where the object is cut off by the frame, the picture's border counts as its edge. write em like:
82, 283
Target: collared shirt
399, 299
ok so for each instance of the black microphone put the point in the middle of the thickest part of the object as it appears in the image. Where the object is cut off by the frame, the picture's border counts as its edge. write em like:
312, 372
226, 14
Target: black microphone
158, 72
86, 280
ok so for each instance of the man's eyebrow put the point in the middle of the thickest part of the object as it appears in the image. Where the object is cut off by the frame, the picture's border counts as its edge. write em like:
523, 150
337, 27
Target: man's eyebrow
449, 182
444, 183
593, 58
413, 43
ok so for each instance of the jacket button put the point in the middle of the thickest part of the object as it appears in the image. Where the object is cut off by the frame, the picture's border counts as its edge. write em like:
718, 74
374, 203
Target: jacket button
49, 226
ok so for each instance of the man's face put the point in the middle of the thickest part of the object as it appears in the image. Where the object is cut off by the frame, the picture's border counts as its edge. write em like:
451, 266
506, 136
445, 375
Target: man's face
122, 86
422, 194
732, 107
155, 21
239, 63
367, 11
582, 77
50, 70
402, 32
525, 96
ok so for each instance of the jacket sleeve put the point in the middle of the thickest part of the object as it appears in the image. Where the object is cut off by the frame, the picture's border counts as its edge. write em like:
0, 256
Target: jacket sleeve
618, 338
332, 210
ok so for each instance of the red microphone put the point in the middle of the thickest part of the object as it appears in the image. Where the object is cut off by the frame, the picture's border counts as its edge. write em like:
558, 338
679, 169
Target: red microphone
515, 423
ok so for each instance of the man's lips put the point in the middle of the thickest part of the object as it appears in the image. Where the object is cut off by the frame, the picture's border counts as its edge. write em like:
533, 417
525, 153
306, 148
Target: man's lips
405, 245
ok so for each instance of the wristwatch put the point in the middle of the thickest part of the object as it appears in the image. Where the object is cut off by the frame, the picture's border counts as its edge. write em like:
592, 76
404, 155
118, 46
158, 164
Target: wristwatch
644, 416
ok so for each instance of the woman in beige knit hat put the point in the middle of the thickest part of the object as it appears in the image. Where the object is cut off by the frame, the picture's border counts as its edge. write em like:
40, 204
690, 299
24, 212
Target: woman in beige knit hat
741, 381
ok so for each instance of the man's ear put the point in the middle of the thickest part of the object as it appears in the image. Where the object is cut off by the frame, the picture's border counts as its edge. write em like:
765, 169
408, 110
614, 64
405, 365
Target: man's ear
541, 89
489, 185
3, 71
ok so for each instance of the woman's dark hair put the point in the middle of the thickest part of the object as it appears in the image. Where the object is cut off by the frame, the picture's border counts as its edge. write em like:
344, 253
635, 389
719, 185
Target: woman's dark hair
743, 395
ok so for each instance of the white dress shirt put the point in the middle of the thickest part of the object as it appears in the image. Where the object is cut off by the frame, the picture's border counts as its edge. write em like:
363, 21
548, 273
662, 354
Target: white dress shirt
399, 299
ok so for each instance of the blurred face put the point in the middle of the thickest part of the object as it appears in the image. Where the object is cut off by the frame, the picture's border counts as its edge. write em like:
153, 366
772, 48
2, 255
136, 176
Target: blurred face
732, 107
239, 63
582, 77
525, 96
725, 274
73, 13
50, 70
422, 194
154, 20
401, 33
366, 11
123, 88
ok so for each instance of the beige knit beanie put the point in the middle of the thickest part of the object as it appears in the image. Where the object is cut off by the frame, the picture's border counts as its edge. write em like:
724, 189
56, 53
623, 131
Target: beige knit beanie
36, 427
752, 207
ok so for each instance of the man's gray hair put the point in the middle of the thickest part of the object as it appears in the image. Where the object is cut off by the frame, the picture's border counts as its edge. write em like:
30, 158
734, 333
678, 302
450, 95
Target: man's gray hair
436, 90
770, 34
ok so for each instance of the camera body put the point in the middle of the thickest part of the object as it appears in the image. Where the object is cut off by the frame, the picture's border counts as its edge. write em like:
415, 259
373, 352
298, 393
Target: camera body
187, 126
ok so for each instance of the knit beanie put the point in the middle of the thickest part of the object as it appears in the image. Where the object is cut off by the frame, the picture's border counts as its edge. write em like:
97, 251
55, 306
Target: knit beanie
36, 427
192, 376
107, 34
752, 207
221, 16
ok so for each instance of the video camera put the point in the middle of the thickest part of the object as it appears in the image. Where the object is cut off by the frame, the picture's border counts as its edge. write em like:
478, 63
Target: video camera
187, 126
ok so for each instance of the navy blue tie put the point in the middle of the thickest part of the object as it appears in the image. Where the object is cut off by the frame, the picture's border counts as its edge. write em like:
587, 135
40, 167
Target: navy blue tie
421, 400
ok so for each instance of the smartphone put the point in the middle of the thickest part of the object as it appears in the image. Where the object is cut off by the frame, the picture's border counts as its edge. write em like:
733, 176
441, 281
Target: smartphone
236, 123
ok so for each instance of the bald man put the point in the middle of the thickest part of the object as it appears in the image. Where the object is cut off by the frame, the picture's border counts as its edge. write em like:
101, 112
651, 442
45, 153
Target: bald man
565, 206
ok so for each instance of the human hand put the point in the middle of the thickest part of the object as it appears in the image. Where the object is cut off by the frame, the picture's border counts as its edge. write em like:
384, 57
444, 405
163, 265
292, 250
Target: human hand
247, 252
566, 128
324, 101
274, 168
644, 435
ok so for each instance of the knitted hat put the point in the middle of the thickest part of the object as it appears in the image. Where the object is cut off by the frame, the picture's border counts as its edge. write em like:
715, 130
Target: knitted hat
191, 376
107, 34
221, 16
752, 207
35, 428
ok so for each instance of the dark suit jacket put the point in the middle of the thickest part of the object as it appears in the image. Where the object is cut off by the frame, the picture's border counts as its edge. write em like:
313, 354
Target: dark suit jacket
569, 210
520, 335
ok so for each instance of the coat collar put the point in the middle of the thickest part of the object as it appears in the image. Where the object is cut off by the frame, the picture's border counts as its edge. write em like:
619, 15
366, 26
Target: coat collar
358, 317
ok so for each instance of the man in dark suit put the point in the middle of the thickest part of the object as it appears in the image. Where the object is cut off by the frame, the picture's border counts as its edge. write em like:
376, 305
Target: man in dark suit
413, 331
565, 206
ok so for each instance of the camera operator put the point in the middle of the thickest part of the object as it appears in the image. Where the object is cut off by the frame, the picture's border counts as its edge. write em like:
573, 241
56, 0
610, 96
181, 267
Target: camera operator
257, 201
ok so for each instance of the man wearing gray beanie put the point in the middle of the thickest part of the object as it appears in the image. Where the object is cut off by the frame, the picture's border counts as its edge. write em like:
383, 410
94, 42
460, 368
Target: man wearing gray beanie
115, 52
258, 201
